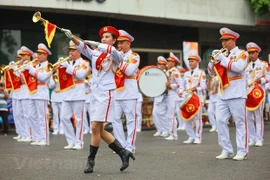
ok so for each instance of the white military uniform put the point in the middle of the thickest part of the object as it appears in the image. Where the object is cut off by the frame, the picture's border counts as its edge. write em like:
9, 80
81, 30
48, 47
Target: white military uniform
232, 101
57, 97
103, 87
159, 113
22, 103
17, 111
195, 78
38, 104
256, 70
139, 112
126, 99
176, 83
73, 103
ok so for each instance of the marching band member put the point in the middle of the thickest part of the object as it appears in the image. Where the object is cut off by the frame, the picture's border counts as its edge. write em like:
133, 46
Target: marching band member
195, 81
15, 97
181, 122
232, 101
159, 113
126, 92
213, 95
73, 102
37, 78
23, 113
174, 83
256, 73
103, 59
57, 97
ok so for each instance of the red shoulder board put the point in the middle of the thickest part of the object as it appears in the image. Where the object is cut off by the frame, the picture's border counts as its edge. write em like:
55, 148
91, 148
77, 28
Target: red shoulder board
135, 54
99, 60
244, 56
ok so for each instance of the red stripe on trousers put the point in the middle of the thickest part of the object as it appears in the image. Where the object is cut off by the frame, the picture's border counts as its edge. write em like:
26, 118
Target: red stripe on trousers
134, 130
46, 129
108, 107
200, 121
80, 137
246, 140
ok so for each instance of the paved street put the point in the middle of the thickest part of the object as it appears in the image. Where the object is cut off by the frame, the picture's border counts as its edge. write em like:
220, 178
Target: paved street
156, 159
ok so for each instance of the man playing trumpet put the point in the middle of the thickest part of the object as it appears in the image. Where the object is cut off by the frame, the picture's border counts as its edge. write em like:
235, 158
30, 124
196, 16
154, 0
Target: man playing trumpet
22, 109
232, 101
74, 99
37, 79
256, 73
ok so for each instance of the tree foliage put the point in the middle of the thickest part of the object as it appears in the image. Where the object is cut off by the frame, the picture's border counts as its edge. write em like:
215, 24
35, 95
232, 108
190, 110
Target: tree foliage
260, 7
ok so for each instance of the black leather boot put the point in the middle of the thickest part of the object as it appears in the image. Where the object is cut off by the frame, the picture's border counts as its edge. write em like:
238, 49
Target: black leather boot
91, 159
123, 153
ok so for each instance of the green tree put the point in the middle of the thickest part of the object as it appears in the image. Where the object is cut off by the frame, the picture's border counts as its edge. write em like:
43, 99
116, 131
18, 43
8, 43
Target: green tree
260, 7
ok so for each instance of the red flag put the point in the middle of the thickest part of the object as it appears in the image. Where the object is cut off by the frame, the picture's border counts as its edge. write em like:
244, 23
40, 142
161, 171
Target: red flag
222, 74
49, 32
8, 81
190, 107
255, 97
15, 80
65, 80
30, 81
119, 78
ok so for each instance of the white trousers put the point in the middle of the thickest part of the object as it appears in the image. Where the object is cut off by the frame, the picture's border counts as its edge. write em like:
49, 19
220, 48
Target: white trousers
139, 115
256, 134
38, 110
197, 135
181, 122
87, 124
22, 122
57, 123
77, 108
16, 116
171, 112
237, 109
27, 123
160, 116
128, 107
211, 114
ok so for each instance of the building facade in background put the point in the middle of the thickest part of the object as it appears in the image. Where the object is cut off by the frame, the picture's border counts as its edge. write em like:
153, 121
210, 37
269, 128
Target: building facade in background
159, 26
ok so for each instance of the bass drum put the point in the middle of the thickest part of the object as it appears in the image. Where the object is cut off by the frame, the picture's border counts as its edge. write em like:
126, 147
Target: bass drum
152, 81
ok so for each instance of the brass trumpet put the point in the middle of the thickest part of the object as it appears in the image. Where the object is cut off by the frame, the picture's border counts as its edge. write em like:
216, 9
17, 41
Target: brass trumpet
26, 64
52, 67
37, 17
212, 58
3, 67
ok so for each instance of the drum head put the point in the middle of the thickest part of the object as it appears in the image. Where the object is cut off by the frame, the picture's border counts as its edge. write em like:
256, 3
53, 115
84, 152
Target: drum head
152, 81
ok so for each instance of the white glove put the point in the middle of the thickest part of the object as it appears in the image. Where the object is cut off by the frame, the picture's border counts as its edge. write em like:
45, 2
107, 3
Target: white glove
91, 43
67, 33
64, 64
28, 67
215, 52
11, 63
61, 58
